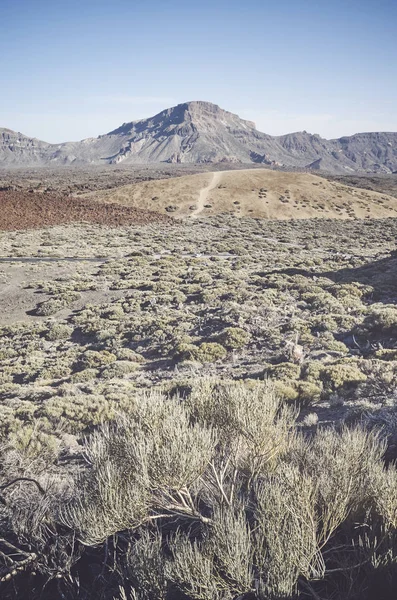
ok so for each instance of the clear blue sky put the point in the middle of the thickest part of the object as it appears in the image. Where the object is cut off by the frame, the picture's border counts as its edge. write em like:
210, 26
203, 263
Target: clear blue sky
73, 69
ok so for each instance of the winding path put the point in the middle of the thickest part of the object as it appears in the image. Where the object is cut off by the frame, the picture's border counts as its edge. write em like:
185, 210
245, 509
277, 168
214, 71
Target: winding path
204, 192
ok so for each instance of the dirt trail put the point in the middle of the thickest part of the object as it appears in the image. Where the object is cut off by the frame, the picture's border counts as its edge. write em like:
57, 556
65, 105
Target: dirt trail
259, 193
204, 192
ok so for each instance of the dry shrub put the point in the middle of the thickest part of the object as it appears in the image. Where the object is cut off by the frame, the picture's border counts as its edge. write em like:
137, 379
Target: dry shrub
215, 496
254, 427
146, 566
137, 465
286, 545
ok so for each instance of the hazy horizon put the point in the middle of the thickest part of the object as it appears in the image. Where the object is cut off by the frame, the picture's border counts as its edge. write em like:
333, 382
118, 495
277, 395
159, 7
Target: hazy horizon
80, 70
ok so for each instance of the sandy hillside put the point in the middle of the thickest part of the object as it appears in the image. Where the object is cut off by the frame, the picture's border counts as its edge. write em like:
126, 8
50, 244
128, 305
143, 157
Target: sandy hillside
258, 193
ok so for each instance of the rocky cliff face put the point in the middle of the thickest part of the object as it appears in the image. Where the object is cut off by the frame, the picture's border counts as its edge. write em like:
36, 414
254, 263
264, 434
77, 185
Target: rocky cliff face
371, 151
197, 132
16, 148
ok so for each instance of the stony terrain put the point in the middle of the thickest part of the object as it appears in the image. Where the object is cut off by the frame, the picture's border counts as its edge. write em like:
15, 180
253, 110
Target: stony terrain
385, 184
21, 210
202, 132
74, 180
262, 193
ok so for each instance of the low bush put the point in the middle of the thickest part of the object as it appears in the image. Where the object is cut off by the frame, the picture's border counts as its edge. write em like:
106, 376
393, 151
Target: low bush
58, 331
54, 305
210, 352
119, 368
207, 352
233, 338
94, 359
209, 495
381, 321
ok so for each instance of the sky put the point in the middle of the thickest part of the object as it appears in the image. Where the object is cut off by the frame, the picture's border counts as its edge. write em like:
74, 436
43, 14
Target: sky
74, 69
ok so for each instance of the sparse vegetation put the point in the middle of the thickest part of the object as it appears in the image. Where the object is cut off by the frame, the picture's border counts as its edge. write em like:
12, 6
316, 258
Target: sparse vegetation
197, 418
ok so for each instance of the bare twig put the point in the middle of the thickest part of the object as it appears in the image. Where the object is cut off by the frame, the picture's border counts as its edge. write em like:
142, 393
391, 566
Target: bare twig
28, 479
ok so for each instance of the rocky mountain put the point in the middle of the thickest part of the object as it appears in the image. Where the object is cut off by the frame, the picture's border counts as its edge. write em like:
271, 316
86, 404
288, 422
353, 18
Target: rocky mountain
199, 132
18, 149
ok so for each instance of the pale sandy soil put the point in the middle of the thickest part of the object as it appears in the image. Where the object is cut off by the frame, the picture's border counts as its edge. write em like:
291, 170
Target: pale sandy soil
256, 193
18, 300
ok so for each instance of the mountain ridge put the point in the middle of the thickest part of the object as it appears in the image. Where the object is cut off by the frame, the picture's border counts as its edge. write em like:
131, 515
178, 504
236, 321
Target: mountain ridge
202, 132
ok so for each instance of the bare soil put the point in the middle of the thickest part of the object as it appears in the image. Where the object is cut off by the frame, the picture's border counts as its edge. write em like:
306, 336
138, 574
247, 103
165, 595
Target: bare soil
24, 210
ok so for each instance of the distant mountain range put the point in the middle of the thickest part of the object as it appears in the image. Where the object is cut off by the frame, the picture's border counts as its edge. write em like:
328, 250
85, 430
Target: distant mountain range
202, 132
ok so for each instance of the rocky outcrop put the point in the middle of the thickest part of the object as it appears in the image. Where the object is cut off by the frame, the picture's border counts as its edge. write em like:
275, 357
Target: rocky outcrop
16, 148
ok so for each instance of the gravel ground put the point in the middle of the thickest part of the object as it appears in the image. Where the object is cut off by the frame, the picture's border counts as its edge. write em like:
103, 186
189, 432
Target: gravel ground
24, 210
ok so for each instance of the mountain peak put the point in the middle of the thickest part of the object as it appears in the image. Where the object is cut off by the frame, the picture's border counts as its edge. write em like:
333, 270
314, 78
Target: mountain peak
204, 109
186, 119
201, 105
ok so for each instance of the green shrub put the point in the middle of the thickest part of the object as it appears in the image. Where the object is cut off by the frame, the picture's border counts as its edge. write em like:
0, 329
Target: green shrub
35, 444
341, 375
210, 352
94, 359
285, 391
379, 322
206, 352
334, 376
128, 354
54, 305
386, 354
119, 368
308, 392
58, 331
8, 422
233, 338
75, 413
84, 375
284, 371
50, 307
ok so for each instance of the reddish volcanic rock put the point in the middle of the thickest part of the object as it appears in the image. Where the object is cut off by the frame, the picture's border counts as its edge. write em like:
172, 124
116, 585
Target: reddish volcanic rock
21, 210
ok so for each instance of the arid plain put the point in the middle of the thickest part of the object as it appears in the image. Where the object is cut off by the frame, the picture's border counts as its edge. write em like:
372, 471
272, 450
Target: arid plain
243, 318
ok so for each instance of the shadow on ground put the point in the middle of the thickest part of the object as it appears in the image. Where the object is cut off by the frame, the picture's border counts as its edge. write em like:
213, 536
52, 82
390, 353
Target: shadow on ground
380, 274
